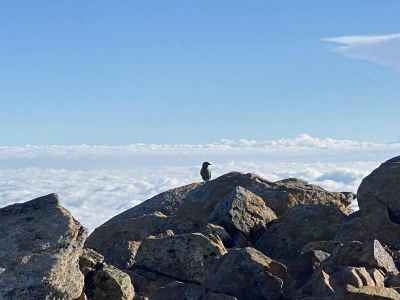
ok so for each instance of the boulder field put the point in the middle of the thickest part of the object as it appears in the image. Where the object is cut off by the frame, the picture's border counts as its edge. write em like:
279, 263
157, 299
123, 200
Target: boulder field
236, 237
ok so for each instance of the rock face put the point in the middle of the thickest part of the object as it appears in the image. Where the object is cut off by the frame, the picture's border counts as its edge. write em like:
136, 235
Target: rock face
302, 224
355, 270
205, 233
109, 283
104, 281
183, 257
40, 245
279, 196
381, 189
238, 237
368, 254
379, 215
179, 290
242, 211
247, 274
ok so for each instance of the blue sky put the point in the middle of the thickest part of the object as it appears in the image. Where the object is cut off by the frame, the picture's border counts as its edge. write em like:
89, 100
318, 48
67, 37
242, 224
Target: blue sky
123, 72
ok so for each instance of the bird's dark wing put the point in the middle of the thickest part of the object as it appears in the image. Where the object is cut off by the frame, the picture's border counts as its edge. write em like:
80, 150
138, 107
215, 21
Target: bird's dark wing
205, 174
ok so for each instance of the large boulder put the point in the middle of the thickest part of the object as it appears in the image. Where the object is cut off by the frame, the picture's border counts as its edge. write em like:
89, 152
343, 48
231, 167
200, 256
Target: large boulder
370, 293
354, 270
90, 261
370, 226
379, 202
247, 274
183, 257
347, 283
120, 240
40, 246
242, 203
285, 237
368, 254
243, 211
182, 291
108, 282
381, 189
279, 196
104, 281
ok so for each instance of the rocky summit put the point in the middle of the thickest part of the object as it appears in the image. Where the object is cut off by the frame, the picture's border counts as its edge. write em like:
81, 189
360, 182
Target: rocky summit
236, 237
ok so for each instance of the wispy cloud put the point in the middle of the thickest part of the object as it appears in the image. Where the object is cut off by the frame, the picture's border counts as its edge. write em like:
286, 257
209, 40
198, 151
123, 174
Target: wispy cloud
378, 49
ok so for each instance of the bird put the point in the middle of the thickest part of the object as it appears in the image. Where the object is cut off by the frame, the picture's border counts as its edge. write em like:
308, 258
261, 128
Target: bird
205, 171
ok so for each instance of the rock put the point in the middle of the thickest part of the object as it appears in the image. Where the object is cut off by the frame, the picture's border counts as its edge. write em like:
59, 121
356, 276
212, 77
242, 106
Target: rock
393, 281
247, 274
370, 293
182, 291
242, 211
369, 227
216, 231
319, 286
40, 245
336, 283
325, 246
82, 297
285, 237
119, 241
301, 192
182, 257
251, 202
147, 283
107, 282
379, 215
302, 268
381, 189
90, 260
367, 254
279, 196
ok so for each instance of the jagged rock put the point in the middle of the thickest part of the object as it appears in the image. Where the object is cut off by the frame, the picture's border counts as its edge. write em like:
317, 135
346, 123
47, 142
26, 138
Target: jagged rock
302, 268
381, 189
370, 293
243, 211
82, 297
355, 270
107, 282
367, 254
369, 227
216, 231
285, 237
147, 283
325, 246
182, 257
119, 241
336, 283
40, 245
247, 274
393, 281
90, 260
182, 291
279, 196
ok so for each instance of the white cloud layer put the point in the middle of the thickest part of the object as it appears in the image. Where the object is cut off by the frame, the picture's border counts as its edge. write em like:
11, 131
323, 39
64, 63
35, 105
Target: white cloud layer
97, 182
378, 49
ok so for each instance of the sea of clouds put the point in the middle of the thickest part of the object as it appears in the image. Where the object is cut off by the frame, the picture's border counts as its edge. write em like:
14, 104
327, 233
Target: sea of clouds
98, 182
